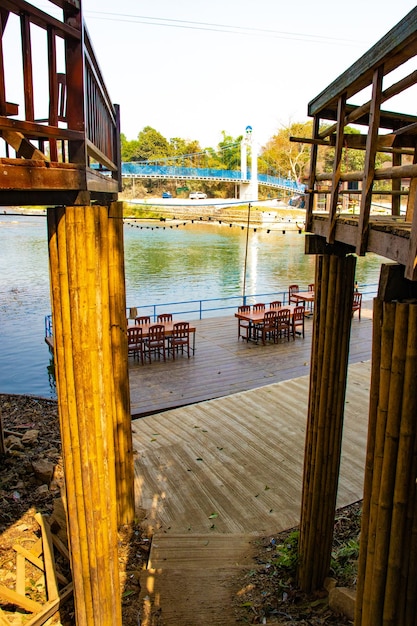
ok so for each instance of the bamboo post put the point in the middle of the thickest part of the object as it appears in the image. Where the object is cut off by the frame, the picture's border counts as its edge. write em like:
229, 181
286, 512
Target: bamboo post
373, 407
331, 333
387, 574
122, 425
388, 463
399, 547
79, 269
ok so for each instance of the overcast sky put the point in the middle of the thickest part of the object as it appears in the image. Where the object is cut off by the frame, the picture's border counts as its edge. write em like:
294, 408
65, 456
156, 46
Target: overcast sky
194, 68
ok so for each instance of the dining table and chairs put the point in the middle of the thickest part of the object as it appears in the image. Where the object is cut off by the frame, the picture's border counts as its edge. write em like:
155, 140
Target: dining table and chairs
275, 322
149, 340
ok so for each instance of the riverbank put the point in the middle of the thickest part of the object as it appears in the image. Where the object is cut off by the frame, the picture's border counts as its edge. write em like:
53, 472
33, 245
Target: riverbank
271, 215
262, 215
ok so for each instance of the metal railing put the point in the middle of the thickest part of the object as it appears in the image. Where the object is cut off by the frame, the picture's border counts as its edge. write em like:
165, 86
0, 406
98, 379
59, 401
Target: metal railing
143, 170
209, 307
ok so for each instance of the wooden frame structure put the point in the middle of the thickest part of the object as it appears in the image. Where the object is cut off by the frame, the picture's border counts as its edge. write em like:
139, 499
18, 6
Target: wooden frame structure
67, 156
71, 153
387, 587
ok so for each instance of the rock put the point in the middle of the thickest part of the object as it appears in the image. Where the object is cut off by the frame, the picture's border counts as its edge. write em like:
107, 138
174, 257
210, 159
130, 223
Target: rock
42, 490
13, 443
30, 437
43, 470
342, 600
330, 583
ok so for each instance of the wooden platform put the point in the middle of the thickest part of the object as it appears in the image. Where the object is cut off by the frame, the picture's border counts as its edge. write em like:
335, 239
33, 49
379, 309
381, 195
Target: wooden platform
212, 476
223, 365
239, 459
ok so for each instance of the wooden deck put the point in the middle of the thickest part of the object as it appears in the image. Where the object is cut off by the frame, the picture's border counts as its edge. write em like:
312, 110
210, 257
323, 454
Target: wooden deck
223, 365
241, 459
212, 476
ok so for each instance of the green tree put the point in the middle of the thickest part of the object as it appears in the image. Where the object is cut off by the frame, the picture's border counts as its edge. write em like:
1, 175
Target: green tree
282, 157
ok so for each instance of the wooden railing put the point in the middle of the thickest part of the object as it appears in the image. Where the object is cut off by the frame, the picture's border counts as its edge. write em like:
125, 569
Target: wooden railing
66, 116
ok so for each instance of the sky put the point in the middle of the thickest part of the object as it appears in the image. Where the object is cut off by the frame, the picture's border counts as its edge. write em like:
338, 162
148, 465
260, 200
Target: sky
193, 69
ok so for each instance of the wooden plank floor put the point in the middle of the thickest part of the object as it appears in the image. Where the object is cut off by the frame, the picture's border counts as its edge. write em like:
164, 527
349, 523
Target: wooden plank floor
234, 464
222, 365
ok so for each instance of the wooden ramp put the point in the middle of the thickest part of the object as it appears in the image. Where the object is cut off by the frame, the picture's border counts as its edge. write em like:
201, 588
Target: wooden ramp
223, 469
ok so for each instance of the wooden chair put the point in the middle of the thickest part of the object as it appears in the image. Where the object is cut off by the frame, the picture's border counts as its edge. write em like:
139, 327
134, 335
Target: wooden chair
357, 303
135, 343
292, 289
259, 306
276, 304
283, 323
142, 319
268, 329
155, 341
180, 338
298, 317
310, 305
243, 327
164, 317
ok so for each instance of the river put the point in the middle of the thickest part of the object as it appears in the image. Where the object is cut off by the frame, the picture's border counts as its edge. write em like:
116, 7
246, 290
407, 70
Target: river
164, 262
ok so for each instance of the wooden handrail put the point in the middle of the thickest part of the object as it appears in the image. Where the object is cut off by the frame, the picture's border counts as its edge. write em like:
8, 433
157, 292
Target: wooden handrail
81, 123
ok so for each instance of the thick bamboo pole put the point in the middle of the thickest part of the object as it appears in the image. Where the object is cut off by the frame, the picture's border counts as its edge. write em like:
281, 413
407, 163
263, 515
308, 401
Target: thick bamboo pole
388, 463
400, 547
387, 576
387, 338
122, 426
79, 262
369, 463
333, 312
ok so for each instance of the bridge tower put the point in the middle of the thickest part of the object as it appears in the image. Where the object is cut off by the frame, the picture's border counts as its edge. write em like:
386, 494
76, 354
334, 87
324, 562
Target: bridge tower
248, 188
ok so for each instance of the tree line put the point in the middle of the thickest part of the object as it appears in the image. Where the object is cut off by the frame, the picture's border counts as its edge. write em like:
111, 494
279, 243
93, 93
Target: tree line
278, 157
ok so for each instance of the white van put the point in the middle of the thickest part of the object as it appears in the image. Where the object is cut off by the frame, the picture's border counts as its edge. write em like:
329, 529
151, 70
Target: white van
197, 195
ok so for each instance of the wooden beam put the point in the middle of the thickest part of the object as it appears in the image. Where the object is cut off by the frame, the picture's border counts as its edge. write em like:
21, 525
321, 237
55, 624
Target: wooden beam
35, 130
392, 50
27, 66
23, 148
364, 109
50, 608
48, 558
40, 18
33, 178
312, 176
18, 600
411, 266
337, 166
394, 285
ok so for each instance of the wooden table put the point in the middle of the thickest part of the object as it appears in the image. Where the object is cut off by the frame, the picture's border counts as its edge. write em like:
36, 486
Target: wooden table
303, 296
257, 317
168, 327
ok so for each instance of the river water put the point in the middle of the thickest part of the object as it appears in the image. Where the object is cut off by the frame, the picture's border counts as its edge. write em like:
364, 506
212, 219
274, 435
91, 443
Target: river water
164, 263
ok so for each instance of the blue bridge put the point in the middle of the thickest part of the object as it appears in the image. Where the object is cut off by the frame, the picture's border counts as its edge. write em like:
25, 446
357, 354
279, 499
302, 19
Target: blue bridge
143, 170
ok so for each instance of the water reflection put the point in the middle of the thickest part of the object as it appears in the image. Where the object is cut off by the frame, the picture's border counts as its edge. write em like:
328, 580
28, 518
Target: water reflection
188, 262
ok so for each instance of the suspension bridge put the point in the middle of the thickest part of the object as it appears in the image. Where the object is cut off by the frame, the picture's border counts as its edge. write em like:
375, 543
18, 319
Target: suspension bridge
171, 172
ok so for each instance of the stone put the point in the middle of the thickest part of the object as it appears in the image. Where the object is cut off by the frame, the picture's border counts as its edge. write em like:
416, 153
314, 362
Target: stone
13, 443
43, 470
342, 600
30, 437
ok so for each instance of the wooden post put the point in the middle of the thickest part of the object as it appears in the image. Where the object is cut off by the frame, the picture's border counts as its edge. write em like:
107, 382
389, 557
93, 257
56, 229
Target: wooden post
79, 268
330, 346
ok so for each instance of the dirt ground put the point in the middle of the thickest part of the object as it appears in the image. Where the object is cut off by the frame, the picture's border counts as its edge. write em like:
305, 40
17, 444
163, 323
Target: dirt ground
31, 480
